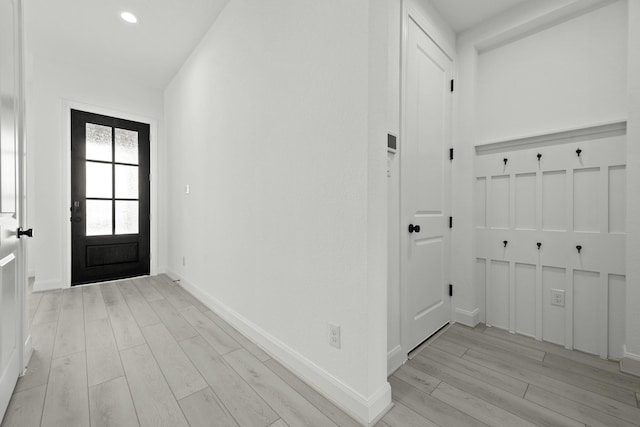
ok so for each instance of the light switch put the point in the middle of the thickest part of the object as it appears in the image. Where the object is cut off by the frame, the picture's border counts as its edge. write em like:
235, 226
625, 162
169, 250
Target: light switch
187, 189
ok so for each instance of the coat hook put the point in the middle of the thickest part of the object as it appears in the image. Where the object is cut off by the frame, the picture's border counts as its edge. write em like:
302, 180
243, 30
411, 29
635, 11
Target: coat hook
579, 248
539, 245
505, 242
505, 161
539, 156
578, 151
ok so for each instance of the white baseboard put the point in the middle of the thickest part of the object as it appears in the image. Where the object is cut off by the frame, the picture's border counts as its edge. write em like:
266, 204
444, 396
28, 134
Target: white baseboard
364, 409
395, 359
468, 318
46, 285
28, 352
630, 363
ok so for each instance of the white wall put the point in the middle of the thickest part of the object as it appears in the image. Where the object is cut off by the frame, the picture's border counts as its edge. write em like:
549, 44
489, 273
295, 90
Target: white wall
394, 343
49, 87
567, 76
539, 68
276, 121
631, 360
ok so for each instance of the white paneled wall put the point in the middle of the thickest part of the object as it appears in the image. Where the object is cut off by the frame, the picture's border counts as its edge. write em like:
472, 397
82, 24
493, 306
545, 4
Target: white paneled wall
560, 201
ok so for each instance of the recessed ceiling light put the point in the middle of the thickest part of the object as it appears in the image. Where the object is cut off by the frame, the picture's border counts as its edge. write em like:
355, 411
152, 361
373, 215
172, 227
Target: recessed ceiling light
129, 17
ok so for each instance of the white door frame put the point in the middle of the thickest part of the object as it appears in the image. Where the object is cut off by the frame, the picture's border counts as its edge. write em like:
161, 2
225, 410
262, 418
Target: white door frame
411, 12
26, 347
69, 105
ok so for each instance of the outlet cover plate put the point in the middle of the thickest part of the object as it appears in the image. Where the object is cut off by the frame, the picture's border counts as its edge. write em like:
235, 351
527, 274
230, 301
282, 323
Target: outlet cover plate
557, 297
334, 335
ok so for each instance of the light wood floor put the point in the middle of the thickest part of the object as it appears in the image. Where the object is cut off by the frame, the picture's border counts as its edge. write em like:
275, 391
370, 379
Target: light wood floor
486, 376
144, 352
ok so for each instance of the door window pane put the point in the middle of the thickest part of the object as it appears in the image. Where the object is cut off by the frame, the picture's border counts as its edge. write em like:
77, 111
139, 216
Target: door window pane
126, 182
126, 217
126, 146
98, 142
99, 181
99, 218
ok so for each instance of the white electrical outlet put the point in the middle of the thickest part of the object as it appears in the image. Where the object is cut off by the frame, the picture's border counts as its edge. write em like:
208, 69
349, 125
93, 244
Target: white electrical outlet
557, 297
334, 335
187, 189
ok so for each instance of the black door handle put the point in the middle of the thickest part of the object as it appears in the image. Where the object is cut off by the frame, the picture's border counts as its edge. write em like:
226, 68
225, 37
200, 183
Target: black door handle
413, 228
28, 233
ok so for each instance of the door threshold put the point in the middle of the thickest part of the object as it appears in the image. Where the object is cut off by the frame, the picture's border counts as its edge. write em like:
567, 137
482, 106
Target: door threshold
417, 349
81, 285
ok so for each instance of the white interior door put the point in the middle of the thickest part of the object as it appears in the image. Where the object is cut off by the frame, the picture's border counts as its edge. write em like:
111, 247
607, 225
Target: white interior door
425, 188
11, 303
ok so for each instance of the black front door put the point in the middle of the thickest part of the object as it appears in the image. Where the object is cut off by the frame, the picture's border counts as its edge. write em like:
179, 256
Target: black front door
109, 198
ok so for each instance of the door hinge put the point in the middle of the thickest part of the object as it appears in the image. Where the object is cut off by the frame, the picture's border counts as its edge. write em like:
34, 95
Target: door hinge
450, 222
149, 177
450, 153
450, 290
451, 85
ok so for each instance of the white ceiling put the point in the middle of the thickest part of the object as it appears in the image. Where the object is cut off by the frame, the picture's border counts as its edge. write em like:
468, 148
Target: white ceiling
464, 14
90, 33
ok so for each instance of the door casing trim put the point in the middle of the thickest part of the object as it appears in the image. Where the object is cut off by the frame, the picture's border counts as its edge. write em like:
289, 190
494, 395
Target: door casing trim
410, 13
67, 106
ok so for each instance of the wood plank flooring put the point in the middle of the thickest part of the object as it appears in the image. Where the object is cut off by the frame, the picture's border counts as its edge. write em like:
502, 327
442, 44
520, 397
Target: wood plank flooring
486, 376
144, 352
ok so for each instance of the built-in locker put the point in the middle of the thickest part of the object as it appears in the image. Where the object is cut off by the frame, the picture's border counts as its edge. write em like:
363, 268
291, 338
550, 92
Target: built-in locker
550, 237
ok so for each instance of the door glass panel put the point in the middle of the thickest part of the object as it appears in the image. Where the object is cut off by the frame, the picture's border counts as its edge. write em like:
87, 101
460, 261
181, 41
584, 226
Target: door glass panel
99, 218
126, 146
126, 182
126, 217
99, 181
98, 142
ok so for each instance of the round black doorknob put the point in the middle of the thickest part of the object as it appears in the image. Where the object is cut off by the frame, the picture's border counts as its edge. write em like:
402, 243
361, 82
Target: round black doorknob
28, 233
413, 228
